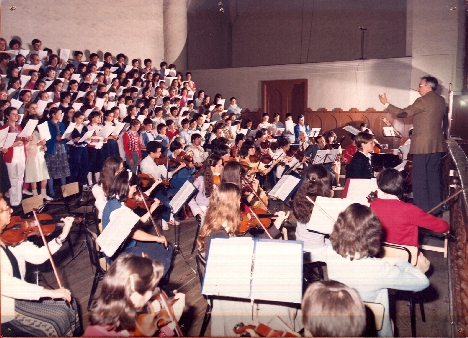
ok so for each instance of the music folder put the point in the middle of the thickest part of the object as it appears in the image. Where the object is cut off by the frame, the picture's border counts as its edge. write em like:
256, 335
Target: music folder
255, 269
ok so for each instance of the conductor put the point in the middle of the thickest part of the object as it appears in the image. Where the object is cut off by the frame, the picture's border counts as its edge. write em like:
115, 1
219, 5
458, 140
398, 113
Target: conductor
427, 141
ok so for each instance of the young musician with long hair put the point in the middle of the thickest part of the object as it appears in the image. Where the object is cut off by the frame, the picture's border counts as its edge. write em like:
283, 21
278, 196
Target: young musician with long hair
131, 285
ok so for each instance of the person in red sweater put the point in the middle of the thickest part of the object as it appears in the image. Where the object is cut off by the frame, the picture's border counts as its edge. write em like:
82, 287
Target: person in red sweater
132, 145
401, 220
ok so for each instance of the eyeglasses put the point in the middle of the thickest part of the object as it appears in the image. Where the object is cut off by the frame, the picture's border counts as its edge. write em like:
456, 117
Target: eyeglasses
422, 85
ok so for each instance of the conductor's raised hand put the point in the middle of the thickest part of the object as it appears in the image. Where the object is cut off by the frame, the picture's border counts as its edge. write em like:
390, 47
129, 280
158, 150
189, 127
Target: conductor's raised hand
383, 98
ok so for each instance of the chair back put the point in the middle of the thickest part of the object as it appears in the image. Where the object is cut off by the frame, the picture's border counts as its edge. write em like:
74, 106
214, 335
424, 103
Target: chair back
96, 257
31, 203
201, 265
378, 310
407, 252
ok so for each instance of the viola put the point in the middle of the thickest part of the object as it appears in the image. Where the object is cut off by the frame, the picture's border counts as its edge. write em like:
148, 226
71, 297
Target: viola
216, 179
19, 229
249, 221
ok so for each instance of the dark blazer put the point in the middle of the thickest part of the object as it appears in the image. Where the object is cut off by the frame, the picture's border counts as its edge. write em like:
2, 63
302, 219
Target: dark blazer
427, 112
359, 167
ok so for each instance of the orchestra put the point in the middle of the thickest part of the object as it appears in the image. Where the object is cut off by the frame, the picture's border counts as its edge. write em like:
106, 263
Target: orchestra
135, 151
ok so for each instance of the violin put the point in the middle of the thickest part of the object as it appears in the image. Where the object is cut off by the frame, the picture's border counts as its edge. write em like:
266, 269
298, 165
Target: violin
19, 229
183, 157
138, 201
261, 330
249, 221
146, 180
216, 179
268, 144
148, 321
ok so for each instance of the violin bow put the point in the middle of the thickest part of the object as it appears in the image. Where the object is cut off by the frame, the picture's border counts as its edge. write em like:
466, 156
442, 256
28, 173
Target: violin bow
54, 267
170, 311
259, 222
255, 194
445, 201
158, 233
321, 209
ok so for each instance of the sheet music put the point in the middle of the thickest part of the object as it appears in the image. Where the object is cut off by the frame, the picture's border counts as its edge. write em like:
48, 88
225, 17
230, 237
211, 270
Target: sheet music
243, 131
44, 131
76, 77
358, 189
86, 136
389, 131
121, 224
24, 80
325, 156
64, 54
267, 284
9, 140
221, 102
283, 188
3, 136
182, 196
351, 130
88, 111
289, 126
16, 103
106, 131
77, 105
99, 103
29, 128
123, 110
241, 267
69, 130
315, 132
42, 54
118, 127
218, 278
319, 221
401, 166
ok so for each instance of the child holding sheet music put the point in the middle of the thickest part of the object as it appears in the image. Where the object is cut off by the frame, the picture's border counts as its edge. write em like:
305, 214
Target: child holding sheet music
95, 160
14, 156
78, 158
123, 187
36, 167
110, 147
56, 154
316, 183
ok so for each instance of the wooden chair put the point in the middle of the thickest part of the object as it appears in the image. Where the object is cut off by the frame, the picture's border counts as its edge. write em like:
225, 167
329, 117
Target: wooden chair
444, 236
378, 310
98, 261
201, 265
409, 253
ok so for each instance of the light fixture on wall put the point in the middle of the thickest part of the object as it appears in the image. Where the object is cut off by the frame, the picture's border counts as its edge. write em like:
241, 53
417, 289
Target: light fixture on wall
221, 7
12, 8
363, 30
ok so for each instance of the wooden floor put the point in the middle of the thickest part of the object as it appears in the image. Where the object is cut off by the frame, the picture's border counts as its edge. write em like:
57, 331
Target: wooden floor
77, 275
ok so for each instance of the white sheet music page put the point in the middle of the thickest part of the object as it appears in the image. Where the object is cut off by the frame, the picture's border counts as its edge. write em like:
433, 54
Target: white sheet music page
360, 188
320, 220
121, 224
228, 267
284, 187
277, 273
182, 196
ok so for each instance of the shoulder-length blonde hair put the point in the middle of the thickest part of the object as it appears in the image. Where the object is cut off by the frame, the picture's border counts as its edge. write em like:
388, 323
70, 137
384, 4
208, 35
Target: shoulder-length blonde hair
224, 206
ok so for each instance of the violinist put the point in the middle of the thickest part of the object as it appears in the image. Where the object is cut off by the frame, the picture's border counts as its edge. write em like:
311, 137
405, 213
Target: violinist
223, 217
206, 181
160, 171
332, 143
22, 302
130, 286
240, 138
123, 187
282, 152
197, 150
303, 141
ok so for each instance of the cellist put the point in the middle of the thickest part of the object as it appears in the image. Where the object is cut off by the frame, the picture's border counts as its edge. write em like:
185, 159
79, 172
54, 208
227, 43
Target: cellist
23, 302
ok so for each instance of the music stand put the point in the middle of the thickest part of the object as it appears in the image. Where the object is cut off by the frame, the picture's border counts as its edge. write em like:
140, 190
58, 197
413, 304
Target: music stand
182, 196
314, 132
